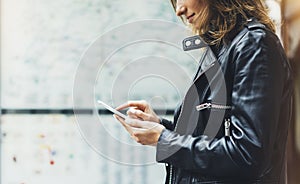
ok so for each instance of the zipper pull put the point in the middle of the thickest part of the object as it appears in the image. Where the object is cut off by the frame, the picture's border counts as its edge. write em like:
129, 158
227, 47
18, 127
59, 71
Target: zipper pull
227, 127
203, 106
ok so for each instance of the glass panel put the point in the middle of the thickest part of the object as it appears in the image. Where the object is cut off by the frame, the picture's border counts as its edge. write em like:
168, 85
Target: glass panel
50, 149
43, 41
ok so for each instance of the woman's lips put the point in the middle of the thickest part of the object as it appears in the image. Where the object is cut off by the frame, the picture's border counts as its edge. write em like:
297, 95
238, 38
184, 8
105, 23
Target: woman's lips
190, 18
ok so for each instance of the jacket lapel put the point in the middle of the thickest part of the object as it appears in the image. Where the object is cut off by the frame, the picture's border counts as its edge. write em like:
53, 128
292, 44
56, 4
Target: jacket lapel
186, 122
207, 60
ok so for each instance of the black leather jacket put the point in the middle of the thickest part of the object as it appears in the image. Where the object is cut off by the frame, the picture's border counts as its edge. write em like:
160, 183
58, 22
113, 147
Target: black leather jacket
232, 125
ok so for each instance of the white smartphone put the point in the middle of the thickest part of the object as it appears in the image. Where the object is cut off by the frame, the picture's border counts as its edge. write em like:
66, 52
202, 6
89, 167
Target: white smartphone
112, 109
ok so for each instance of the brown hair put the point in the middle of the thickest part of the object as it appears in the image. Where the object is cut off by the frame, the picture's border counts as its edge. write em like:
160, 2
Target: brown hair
221, 18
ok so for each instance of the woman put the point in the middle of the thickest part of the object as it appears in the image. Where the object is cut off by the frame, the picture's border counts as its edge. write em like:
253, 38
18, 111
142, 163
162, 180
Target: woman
232, 125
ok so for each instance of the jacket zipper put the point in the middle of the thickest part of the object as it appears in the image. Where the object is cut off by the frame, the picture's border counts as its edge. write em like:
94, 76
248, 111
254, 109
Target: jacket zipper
227, 127
211, 106
171, 173
227, 122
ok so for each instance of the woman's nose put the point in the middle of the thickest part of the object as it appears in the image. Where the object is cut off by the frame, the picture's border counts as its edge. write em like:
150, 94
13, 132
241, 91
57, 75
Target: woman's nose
180, 9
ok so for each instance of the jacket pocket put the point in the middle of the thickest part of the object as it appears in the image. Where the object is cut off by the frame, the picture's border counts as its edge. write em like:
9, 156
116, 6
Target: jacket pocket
226, 121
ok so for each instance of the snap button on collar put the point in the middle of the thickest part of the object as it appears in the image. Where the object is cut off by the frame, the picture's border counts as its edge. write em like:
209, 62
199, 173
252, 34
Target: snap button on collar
193, 42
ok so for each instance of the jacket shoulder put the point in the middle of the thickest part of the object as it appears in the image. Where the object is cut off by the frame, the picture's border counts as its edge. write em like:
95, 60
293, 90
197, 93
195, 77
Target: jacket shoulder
252, 31
254, 36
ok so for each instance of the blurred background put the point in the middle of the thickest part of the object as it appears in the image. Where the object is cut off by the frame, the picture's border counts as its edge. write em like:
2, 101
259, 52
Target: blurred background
42, 46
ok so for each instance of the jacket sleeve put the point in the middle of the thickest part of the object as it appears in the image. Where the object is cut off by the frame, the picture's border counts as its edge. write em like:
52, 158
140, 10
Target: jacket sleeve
168, 124
257, 92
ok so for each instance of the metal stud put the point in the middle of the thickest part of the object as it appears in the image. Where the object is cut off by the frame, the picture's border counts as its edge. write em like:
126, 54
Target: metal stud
197, 41
188, 43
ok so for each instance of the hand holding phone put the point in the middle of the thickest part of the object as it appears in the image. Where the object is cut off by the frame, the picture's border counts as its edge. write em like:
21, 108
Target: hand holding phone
112, 110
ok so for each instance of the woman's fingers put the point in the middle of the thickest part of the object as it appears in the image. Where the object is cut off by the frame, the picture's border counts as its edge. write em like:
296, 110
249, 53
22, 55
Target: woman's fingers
125, 125
140, 124
138, 114
123, 106
144, 132
135, 123
140, 110
141, 104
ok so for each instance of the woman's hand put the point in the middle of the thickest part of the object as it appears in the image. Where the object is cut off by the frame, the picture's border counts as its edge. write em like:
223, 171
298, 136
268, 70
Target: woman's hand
143, 132
140, 110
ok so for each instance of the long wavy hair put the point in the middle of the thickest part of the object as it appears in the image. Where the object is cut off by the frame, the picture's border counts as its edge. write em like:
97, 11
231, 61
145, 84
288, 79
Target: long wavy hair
221, 19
